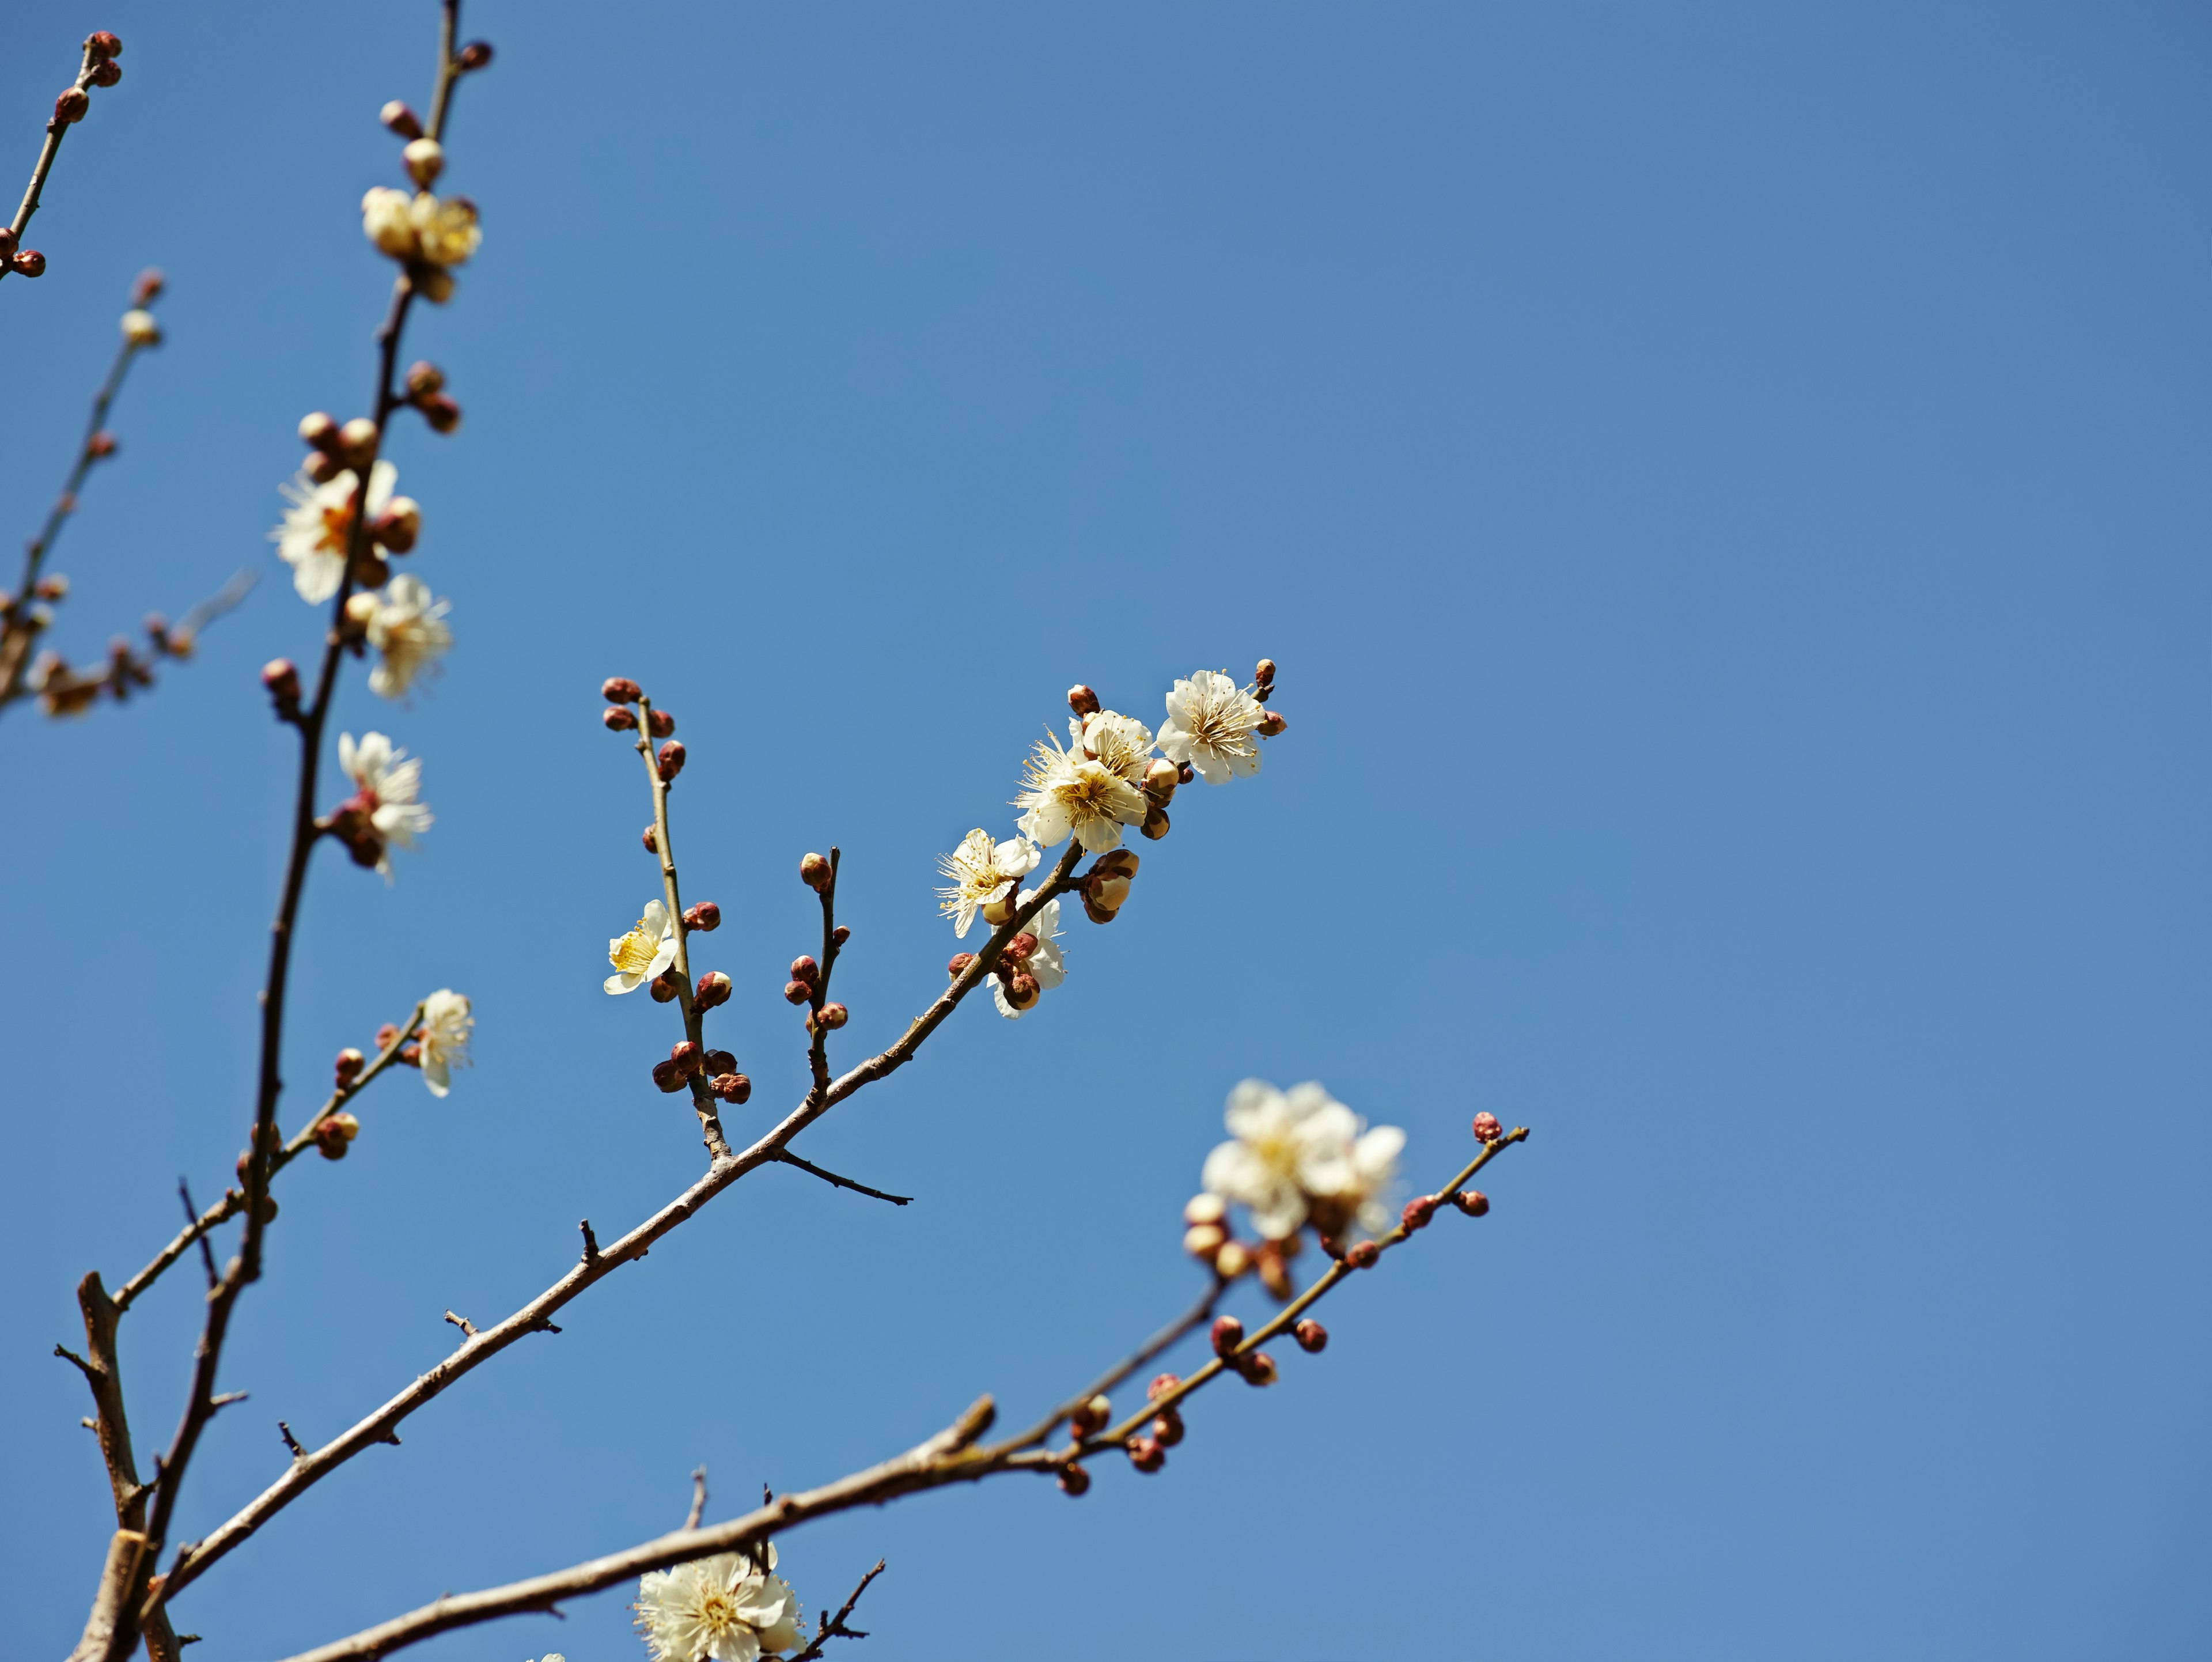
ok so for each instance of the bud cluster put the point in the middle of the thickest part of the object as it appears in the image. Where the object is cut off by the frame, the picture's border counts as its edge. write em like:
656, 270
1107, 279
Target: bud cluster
1207, 1238
426, 392
1105, 887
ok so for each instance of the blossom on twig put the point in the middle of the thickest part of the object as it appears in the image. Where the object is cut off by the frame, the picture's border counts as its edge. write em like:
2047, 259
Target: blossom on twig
386, 805
725, 1608
644, 953
982, 871
407, 626
1302, 1154
1067, 792
444, 1040
1042, 962
318, 526
1121, 743
423, 231
1210, 725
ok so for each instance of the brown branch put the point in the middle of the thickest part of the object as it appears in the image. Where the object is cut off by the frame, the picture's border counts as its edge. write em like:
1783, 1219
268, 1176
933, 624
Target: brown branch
65, 691
698, 1498
836, 1182
57, 129
1166, 1339
833, 1627
817, 1034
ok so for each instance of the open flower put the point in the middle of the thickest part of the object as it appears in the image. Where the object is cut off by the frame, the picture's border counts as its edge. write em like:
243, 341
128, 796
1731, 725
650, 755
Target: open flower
644, 953
982, 871
1044, 961
1066, 791
1121, 743
407, 628
1209, 725
318, 526
1296, 1154
1353, 1189
421, 228
726, 1608
386, 806
444, 1038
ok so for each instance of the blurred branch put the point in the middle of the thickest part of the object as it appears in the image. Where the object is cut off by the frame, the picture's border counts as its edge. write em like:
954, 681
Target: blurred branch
97, 68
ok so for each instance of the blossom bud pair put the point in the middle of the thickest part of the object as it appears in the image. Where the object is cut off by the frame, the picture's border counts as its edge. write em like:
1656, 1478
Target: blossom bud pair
29, 262
335, 1134
732, 1088
670, 762
815, 872
714, 989
706, 914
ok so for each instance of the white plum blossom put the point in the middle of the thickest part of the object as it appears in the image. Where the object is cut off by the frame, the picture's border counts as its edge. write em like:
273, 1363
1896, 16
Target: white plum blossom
982, 871
421, 228
1210, 725
723, 1609
644, 953
1121, 743
1046, 963
387, 805
444, 1038
318, 526
1066, 791
1301, 1153
407, 627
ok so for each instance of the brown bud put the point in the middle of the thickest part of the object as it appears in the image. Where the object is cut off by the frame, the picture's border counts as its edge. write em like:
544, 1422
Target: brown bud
618, 719
671, 759
652, 842
1312, 1336
839, 935
1228, 1333
1183, 773
1082, 700
1363, 1255
1472, 1201
1419, 1210
348, 1065
1090, 1416
957, 966
1271, 724
720, 1061
320, 467
706, 914
834, 1015
1161, 779
410, 1055
814, 871
797, 992
1022, 947
267, 1211
714, 989
282, 677
7, 240
103, 44
29, 262
1264, 676
106, 73
369, 570
1156, 823
803, 968
663, 988
1023, 990
1486, 1128
51, 586
401, 119
443, 414
688, 1057
732, 1088
356, 440
660, 723
1168, 1428
396, 528
620, 690
1232, 1261
1257, 1368
330, 1142
1073, 1481
667, 1075
1275, 1274
317, 428
385, 1035
424, 378
1146, 1453
101, 446
1203, 1240
476, 54
1162, 1383
71, 105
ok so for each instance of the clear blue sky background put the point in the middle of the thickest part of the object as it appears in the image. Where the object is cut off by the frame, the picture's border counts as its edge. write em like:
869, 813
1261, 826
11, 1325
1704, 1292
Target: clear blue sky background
1727, 488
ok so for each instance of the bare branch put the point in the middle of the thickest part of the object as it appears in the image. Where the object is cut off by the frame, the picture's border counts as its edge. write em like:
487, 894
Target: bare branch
698, 1498
833, 1627
836, 1182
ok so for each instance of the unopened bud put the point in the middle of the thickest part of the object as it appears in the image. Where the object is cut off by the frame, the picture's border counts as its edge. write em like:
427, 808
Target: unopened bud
321, 466
1167, 1429
1090, 1416
1146, 1453
839, 935
620, 690
267, 1211
103, 44
52, 587
1022, 991
1486, 1127
1001, 910
370, 571
1228, 1333
1162, 1383
652, 842
714, 989
1161, 779
667, 1075
797, 992
7, 240
101, 446
476, 54
1232, 1261
732, 1088
410, 1055
1264, 675
148, 286
330, 1142
398, 526
1312, 1336
957, 966
704, 914
688, 1057
1184, 773
71, 105
834, 1015
803, 968
424, 159
671, 759
435, 284
1203, 1240
1363, 1255
348, 1065
663, 988
1022, 947
1472, 1201
1419, 1210
443, 414
356, 440
141, 327
385, 1035
1073, 1481
618, 719
29, 262
720, 1061
1082, 700
1271, 724
814, 871
660, 723
106, 73
282, 677
401, 119
1257, 1368
319, 429
1156, 822
1205, 1209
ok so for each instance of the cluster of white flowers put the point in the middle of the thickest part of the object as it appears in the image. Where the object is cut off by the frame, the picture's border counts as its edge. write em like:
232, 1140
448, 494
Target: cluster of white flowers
1300, 1156
723, 1609
427, 233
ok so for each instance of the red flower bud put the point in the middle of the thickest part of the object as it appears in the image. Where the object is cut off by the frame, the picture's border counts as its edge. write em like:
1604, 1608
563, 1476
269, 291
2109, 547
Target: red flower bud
732, 1088
1146, 1453
443, 414
1228, 1333
106, 73
401, 119
714, 989
704, 916
331, 1140
1090, 1416
1363, 1255
385, 1035
1156, 823
1082, 700
1022, 947
720, 1061
1023, 990
652, 842
349, 1063
667, 1075
618, 719
660, 723
103, 44
839, 935
476, 54
101, 446
803, 968
688, 1057
665, 986
1168, 1429
957, 966
1161, 1385
28, 261
71, 105
815, 872
1257, 1368
671, 759
1264, 676
424, 378
1312, 1336
620, 690
1271, 724
1472, 1201
797, 992
834, 1015
1419, 1210
1073, 1481
1486, 1128
282, 677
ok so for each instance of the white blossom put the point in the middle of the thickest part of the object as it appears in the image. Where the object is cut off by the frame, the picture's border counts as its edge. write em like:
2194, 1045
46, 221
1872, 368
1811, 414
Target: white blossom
421, 227
408, 629
443, 1038
723, 1609
388, 787
318, 526
1210, 723
1121, 743
644, 953
982, 871
1066, 791
1301, 1153
140, 328
1045, 963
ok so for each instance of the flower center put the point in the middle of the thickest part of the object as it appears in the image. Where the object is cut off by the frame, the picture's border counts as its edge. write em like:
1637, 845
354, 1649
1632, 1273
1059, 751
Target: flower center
337, 524
633, 954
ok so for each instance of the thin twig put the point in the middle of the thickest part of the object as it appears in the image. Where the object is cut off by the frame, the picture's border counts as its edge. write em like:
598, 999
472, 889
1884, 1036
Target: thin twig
57, 130
698, 1498
833, 1627
836, 1182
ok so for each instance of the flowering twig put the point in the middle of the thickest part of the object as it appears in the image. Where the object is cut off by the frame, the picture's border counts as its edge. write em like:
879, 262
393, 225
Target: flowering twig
952, 1456
833, 1627
98, 69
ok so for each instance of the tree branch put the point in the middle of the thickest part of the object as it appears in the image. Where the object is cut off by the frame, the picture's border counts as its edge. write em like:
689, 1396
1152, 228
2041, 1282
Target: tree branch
836, 1182
833, 1627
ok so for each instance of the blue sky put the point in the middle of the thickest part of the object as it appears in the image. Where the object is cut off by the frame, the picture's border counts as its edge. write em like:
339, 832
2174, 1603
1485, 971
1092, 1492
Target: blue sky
1726, 488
